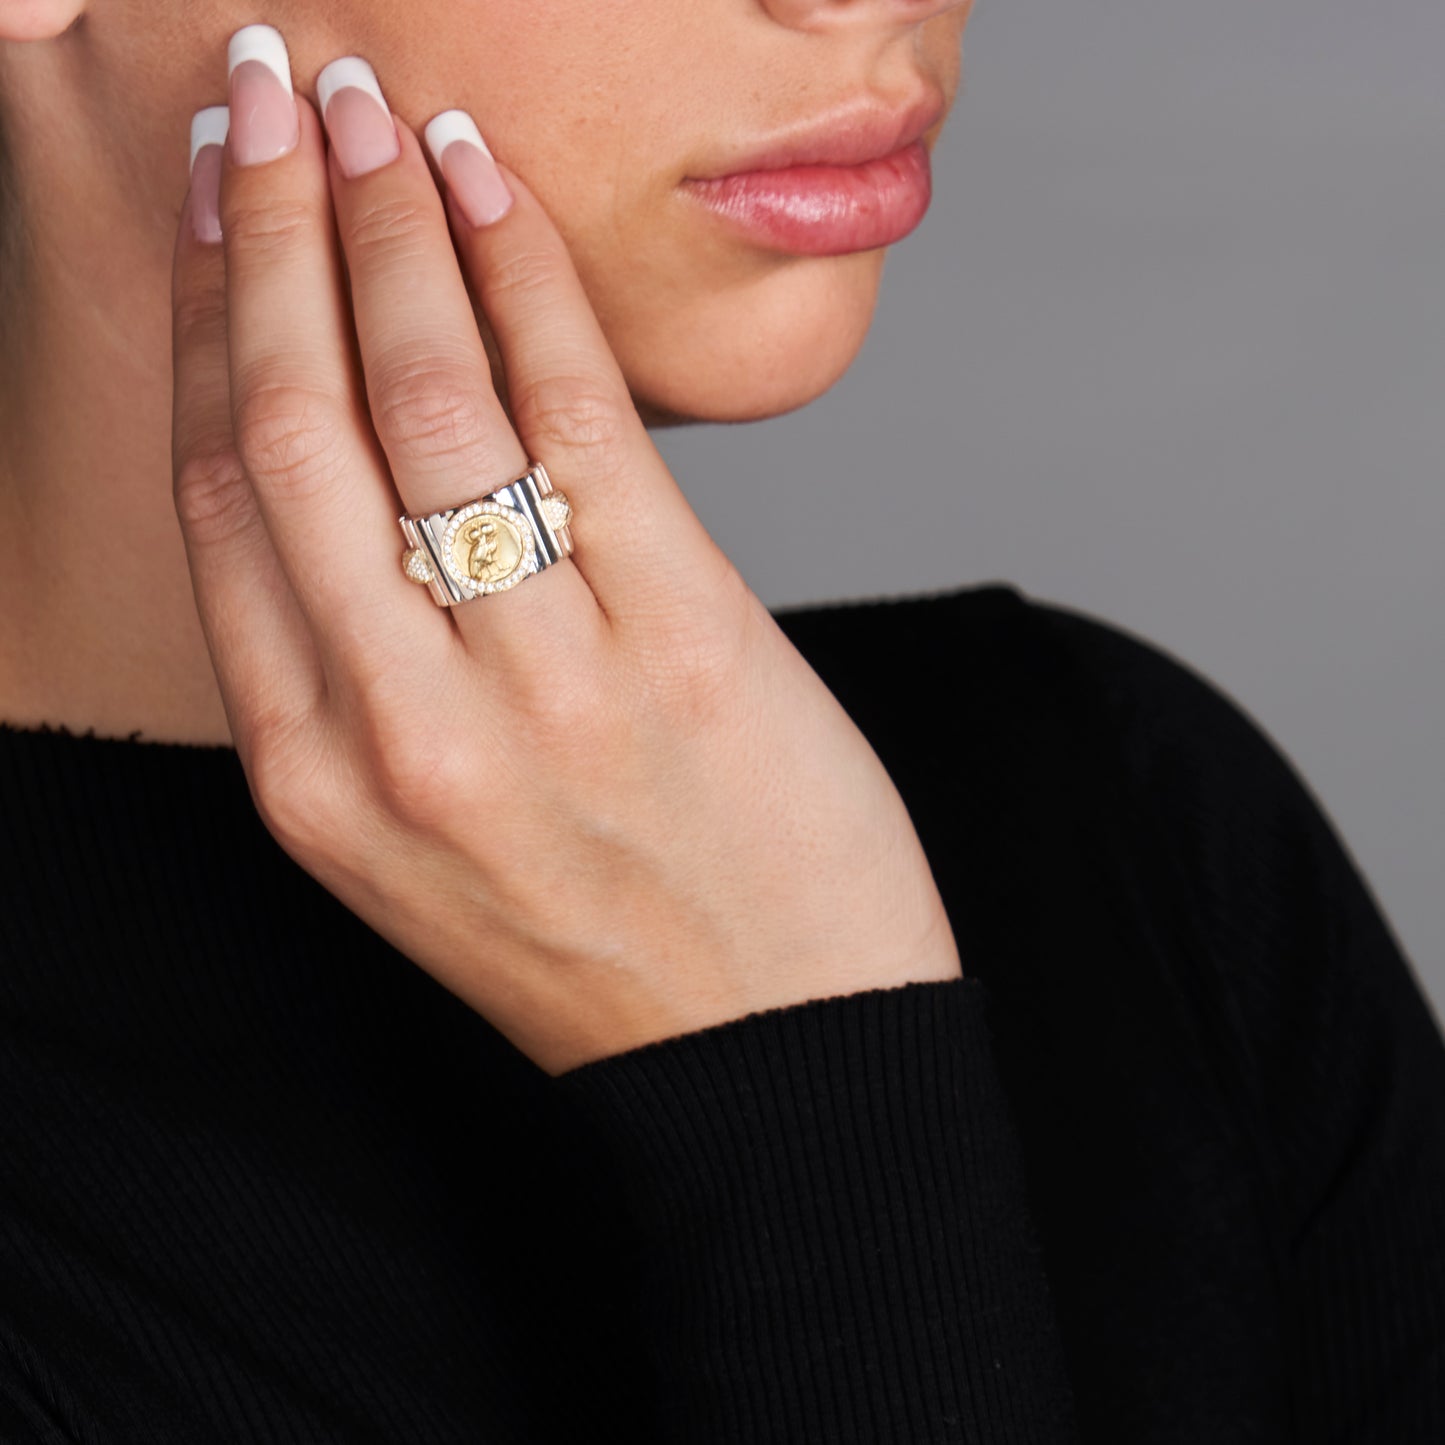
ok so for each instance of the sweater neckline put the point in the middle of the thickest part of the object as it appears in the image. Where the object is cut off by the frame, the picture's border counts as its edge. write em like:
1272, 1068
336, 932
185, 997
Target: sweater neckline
49, 733
50, 739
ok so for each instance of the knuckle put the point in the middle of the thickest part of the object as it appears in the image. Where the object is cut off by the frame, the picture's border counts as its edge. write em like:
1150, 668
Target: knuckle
576, 410
567, 716
288, 781
269, 225
429, 409
289, 435
419, 770
523, 276
213, 497
699, 671
390, 228
200, 315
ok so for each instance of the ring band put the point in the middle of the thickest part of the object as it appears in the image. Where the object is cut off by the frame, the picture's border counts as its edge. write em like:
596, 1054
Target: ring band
490, 544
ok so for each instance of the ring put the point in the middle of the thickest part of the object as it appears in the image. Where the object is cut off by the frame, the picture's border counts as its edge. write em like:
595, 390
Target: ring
491, 544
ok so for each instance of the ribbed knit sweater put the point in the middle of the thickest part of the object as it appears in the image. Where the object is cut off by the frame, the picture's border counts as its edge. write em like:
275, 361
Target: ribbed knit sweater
1167, 1164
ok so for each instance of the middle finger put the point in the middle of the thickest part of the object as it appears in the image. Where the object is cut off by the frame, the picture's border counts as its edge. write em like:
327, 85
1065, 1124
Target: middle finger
428, 378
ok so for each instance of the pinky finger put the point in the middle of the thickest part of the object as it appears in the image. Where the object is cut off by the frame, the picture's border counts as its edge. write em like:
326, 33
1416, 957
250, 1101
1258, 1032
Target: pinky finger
265, 662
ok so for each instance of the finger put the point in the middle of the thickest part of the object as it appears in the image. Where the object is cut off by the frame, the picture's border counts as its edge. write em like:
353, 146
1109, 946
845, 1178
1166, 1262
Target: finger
298, 407
428, 380
260, 645
636, 536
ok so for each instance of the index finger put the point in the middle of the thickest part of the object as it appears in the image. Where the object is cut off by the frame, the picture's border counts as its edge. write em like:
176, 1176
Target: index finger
642, 548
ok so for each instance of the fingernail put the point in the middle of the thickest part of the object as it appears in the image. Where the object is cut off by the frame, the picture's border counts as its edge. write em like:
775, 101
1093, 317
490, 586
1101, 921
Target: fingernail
264, 125
467, 167
357, 117
208, 135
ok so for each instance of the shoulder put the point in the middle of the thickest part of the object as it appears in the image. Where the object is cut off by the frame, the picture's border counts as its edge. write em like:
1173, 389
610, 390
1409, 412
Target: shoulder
987, 696
1253, 841
1043, 666
1173, 724
999, 629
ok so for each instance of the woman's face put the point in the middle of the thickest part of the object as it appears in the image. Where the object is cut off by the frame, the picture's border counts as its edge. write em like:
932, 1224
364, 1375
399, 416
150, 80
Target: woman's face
604, 107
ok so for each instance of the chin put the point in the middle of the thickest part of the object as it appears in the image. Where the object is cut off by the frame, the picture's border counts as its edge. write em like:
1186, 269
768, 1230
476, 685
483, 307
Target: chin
750, 350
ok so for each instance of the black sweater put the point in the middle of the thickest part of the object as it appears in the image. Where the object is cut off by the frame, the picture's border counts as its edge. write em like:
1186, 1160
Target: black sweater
1166, 1165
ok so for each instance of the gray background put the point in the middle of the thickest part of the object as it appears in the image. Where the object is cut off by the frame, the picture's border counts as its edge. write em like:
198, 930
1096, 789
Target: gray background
1170, 348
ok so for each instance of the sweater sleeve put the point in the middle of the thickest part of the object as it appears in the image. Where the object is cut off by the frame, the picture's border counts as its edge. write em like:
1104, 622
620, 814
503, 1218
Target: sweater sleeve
836, 1242
1339, 1056
28, 1407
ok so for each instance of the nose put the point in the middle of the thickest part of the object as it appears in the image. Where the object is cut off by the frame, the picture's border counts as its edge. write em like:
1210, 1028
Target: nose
821, 15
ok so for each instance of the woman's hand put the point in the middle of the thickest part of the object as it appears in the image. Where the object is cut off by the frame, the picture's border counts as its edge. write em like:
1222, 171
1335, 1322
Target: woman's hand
610, 805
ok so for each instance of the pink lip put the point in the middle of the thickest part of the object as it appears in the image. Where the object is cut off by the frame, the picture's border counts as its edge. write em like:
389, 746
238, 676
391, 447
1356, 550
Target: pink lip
859, 180
826, 210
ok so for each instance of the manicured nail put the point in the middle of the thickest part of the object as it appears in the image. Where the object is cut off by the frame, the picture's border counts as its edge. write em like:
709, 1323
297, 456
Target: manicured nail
357, 117
264, 125
208, 135
468, 168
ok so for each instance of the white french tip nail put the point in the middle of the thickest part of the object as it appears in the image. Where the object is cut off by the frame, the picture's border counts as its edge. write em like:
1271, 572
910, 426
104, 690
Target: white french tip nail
349, 70
209, 128
263, 43
450, 125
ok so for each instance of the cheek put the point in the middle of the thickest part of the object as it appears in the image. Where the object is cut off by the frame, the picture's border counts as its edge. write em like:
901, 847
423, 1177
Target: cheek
718, 342
703, 325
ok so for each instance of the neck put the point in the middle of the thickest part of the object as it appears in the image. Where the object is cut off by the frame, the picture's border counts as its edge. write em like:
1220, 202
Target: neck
100, 628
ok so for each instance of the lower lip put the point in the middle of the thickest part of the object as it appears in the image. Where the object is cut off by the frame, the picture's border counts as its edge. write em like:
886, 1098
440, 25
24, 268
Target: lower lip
826, 210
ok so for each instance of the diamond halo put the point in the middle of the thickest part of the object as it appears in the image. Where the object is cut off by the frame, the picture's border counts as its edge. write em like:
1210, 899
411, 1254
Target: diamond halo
526, 565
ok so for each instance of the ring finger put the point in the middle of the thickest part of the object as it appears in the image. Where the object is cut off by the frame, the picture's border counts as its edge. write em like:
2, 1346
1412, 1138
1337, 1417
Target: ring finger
298, 408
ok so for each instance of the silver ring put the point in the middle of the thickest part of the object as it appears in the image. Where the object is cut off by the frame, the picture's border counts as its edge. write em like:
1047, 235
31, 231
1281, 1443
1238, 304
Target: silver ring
490, 544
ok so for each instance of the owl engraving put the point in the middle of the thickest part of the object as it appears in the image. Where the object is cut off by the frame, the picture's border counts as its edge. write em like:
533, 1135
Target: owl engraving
480, 536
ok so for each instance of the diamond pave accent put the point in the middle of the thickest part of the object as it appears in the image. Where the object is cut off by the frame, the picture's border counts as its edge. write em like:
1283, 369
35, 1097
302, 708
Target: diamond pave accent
416, 566
558, 510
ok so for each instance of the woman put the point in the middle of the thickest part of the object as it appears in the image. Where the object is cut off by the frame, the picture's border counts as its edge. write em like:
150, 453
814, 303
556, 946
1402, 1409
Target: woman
603, 1010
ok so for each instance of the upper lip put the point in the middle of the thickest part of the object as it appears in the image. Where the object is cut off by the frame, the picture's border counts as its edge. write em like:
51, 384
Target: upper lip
848, 136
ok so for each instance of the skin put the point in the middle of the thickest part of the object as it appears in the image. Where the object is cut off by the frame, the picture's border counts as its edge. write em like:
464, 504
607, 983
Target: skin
683, 825
96, 100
